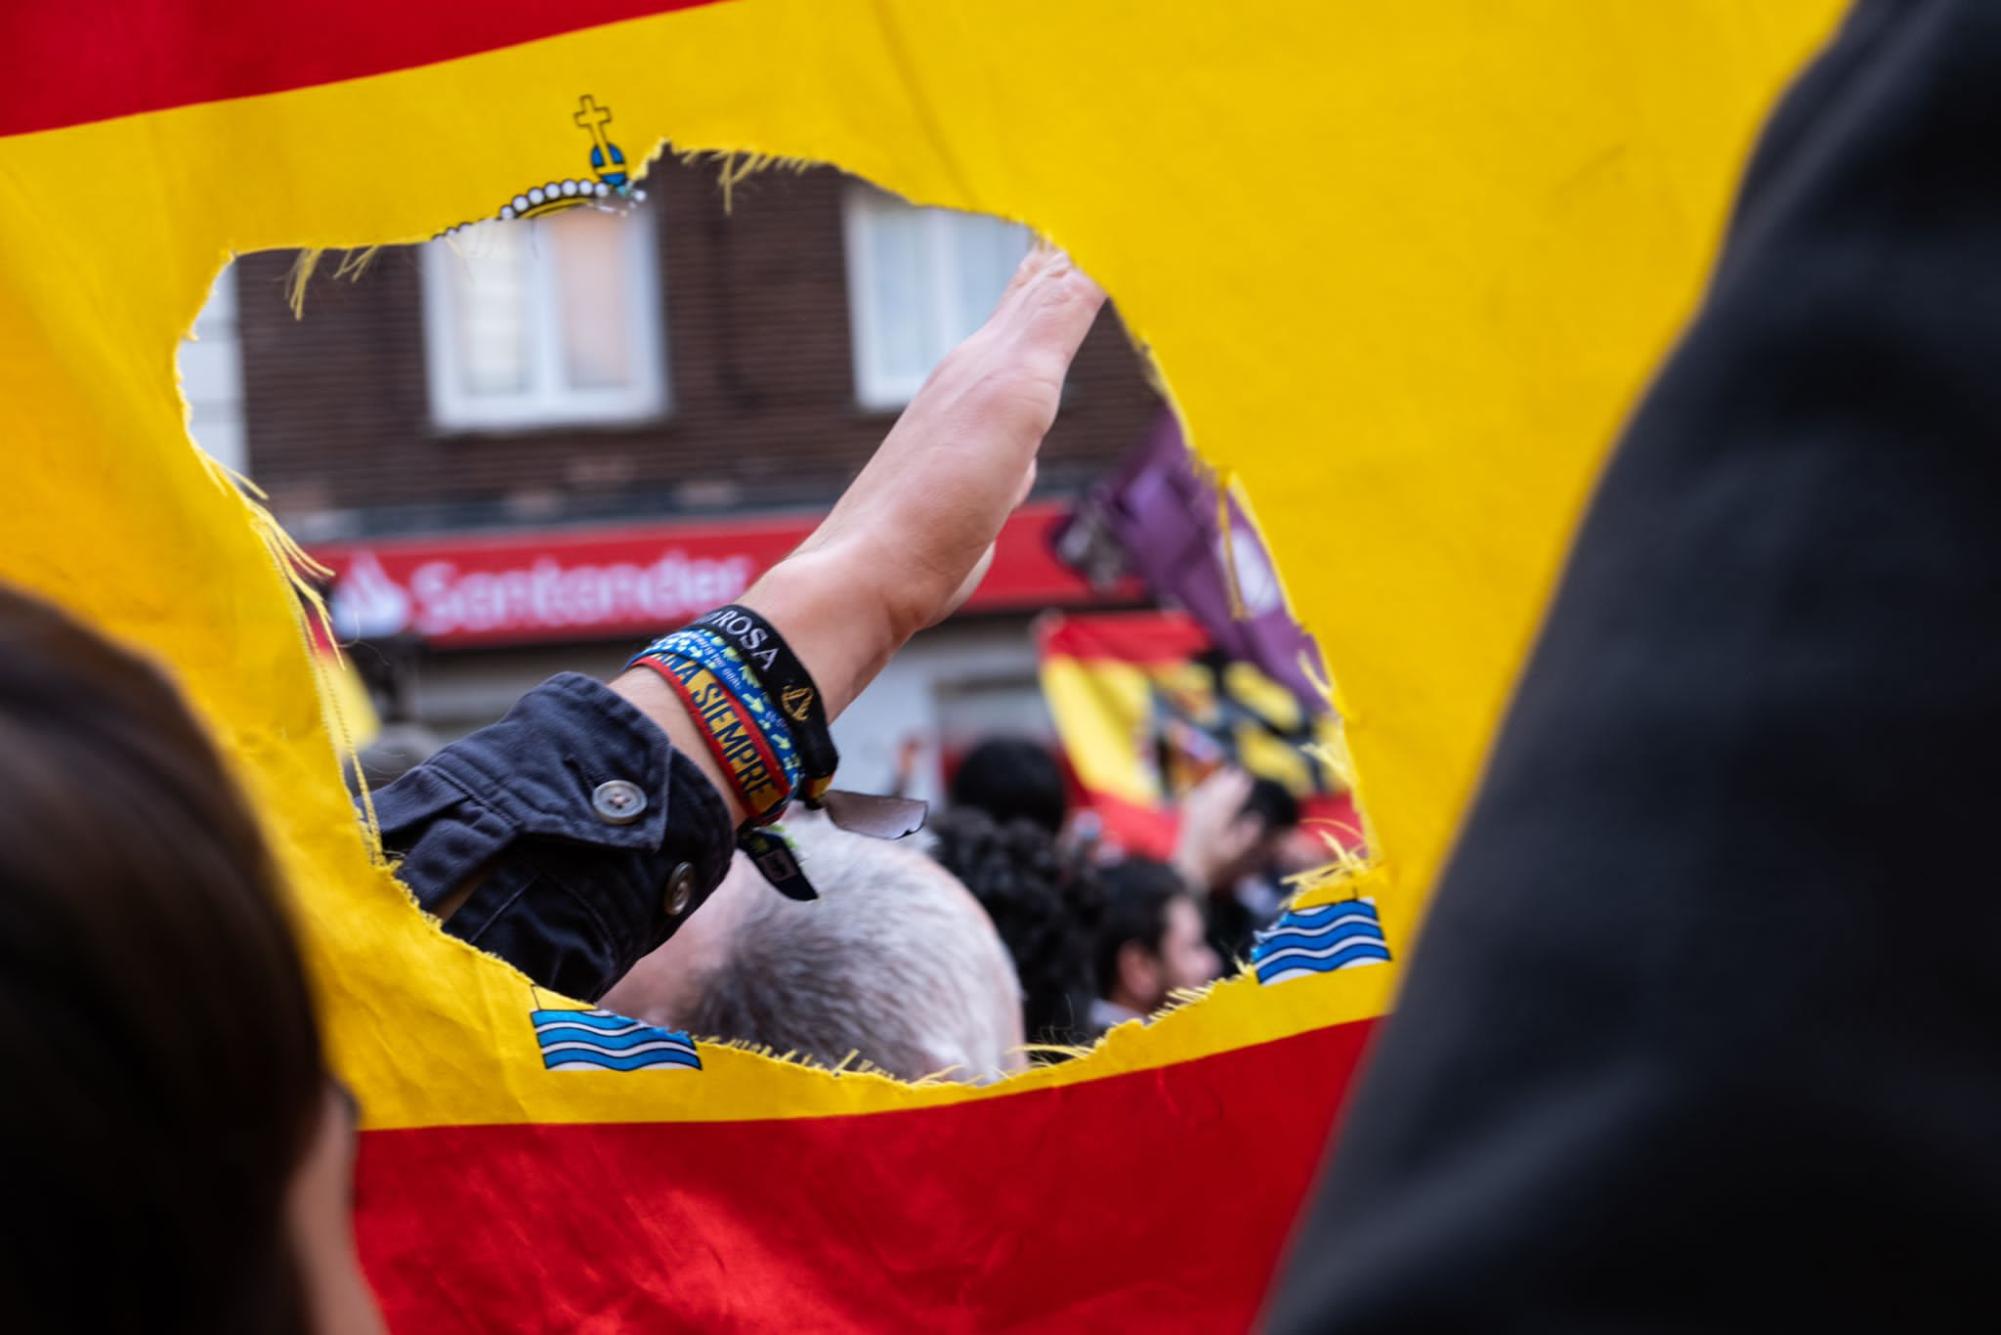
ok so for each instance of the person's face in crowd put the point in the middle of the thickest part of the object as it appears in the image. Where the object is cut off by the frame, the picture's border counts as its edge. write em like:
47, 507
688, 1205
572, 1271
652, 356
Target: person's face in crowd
1303, 849
1183, 959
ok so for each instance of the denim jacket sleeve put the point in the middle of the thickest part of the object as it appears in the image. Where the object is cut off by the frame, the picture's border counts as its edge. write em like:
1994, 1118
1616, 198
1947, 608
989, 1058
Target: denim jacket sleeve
587, 837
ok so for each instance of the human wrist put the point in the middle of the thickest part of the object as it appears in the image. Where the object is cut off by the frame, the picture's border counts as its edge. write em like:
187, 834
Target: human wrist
837, 615
646, 692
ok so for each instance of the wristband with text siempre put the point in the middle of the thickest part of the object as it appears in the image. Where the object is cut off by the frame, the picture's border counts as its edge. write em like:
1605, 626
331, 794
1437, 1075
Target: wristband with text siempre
744, 751
714, 653
787, 683
741, 747
789, 686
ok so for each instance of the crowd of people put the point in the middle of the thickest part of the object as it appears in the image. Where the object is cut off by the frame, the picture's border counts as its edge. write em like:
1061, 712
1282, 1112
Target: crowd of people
1099, 934
890, 972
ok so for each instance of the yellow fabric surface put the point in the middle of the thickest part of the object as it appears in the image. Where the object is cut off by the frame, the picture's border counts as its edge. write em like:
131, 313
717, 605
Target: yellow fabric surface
1403, 268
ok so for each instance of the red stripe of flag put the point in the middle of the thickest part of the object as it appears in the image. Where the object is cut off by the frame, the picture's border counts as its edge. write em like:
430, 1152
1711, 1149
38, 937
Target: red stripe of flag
1142, 639
89, 60
1157, 1200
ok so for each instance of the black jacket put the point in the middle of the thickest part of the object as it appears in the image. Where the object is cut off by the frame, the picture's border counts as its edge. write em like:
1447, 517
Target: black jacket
1704, 1029
570, 887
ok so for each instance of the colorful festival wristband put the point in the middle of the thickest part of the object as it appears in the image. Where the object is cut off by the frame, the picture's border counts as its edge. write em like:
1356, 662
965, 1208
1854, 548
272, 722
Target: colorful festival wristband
740, 746
740, 681
787, 682
714, 653
704, 673
788, 685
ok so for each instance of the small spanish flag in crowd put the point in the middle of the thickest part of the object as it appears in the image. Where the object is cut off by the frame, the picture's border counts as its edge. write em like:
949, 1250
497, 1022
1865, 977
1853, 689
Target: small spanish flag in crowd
1147, 706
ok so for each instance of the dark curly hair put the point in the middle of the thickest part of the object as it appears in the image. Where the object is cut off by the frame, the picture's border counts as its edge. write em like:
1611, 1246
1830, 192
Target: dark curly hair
1012, 778
1045, 906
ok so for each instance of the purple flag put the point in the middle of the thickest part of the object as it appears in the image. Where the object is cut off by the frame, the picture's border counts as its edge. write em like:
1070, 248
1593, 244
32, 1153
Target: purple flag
1157, 518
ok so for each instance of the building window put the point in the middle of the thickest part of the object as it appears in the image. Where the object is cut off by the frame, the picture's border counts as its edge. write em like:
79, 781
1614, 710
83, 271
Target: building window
550, 322
919, 281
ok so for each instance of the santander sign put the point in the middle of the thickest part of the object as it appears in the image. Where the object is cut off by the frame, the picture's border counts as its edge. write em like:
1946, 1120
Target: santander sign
550, 595
525, 586
441, 600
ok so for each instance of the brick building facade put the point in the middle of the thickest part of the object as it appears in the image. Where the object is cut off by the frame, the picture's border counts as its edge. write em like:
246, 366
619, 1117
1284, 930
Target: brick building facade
727, 365
763, 409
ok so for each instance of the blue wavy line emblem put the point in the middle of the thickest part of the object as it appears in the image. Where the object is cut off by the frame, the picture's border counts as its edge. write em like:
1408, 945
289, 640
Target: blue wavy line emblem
599, 1040
1320, 940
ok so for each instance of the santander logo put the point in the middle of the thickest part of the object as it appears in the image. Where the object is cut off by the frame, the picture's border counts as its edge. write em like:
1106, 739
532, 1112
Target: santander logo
528, 594
521, 586
366, 603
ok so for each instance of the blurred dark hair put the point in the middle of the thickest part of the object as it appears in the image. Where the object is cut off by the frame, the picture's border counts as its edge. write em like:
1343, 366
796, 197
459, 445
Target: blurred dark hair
1137, 893
1012, 778
163, 1068
1273, 803
1045, 907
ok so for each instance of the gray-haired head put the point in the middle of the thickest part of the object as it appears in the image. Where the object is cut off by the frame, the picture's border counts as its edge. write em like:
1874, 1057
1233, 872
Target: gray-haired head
895, 963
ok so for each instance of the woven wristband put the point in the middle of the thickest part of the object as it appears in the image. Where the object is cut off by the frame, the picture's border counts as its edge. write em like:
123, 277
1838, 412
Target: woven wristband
741, 747
784, 682
714, 653
789, 686
731, 711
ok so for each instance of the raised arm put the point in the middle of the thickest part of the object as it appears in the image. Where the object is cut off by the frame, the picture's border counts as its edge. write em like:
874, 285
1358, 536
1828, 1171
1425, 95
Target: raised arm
576, 834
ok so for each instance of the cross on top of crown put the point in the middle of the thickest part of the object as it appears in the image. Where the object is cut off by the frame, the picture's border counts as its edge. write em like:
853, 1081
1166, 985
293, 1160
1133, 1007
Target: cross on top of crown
590, 116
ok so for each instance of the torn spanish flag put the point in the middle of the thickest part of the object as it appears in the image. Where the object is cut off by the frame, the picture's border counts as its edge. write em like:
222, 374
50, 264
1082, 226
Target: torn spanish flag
1401, 268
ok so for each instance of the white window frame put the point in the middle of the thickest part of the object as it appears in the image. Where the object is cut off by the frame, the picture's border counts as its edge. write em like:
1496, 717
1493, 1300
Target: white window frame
876, 387
548, 402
